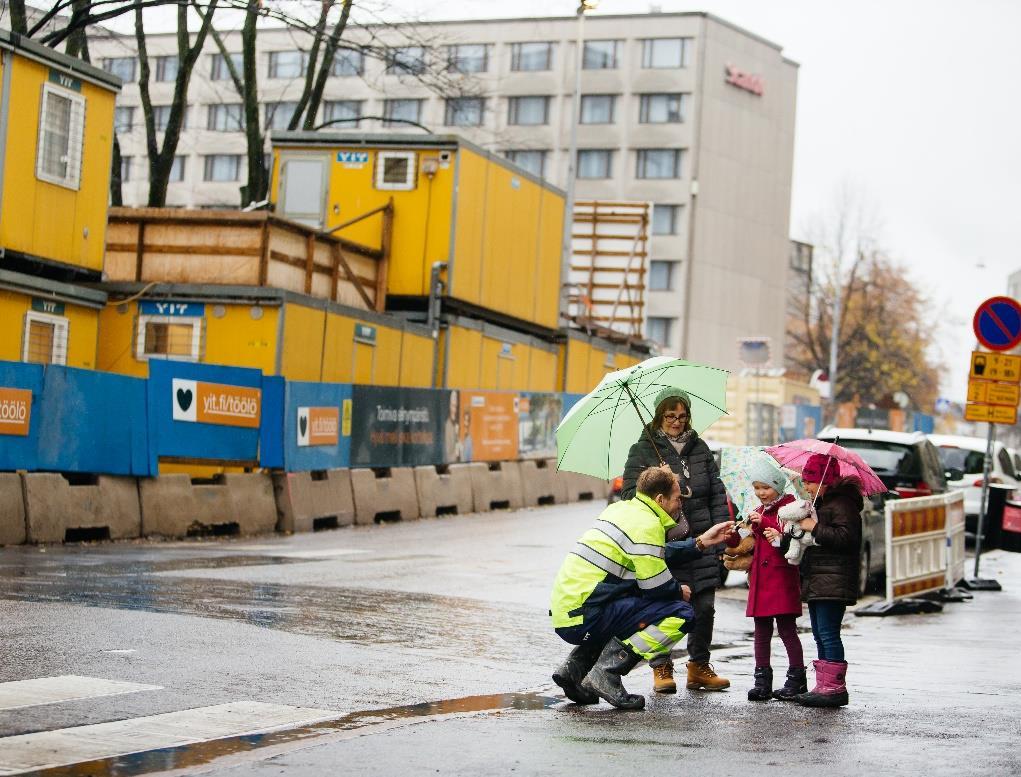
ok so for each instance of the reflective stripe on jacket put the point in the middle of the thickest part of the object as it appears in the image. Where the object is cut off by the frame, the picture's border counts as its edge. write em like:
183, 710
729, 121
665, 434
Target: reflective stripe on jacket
621, 555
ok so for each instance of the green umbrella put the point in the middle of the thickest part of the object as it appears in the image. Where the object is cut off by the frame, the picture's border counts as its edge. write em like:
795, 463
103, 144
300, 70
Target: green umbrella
735, 466
596, 434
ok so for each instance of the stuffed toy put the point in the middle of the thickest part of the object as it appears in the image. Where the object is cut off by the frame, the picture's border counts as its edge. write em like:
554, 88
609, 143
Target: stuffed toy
739, 558
795, 539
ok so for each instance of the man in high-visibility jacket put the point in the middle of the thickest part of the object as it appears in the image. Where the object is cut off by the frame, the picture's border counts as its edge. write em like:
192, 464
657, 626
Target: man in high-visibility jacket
614, 597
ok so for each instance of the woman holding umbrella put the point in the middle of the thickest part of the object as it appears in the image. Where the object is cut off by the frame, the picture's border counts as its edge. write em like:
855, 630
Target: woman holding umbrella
669, 438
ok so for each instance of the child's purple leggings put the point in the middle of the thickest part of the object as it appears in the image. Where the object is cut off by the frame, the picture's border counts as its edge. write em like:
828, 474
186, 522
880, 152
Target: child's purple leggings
788, 630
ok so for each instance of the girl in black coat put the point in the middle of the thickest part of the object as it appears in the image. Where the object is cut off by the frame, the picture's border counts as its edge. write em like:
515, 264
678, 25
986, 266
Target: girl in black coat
670, 439
830, 573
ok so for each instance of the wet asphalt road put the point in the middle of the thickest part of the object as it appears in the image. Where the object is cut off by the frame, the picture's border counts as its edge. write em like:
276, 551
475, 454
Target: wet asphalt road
429, 644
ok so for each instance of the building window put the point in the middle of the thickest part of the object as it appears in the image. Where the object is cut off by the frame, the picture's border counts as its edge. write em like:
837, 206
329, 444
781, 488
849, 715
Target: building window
161, 117
45, 339
406, 59
177, 169
122, 67
123, 118
659, 163
661, 275
219, 70
666, 52
169, 337
595, 163
222, 167
600, 55
287, 64
527, 159
528, 111
402, 110
61, 137
166, 68
468, 58
348, 62
350, 110
465, 111
395, 170
597, 108
228, 117
531, 57
659, 329
663, 108
665, 219
125, 169
278, 115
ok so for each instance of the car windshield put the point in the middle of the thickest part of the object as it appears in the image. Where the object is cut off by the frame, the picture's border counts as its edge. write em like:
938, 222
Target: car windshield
961, 458
885, 458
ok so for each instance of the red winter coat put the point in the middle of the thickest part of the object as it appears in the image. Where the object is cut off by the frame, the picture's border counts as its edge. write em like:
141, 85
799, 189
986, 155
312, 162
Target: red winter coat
774, 586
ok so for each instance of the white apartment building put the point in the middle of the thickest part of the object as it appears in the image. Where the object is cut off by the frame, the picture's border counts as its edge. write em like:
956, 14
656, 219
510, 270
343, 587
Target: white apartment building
682, 110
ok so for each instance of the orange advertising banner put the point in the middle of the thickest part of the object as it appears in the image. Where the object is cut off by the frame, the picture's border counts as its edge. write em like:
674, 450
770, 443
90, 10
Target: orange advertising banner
318, 426
15, 411
216, 403
491, 431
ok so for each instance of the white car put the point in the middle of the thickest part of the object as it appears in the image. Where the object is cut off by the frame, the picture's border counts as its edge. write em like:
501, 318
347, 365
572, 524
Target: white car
967, 455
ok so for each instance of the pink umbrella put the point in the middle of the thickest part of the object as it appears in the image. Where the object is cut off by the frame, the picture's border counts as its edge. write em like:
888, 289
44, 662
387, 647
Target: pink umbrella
795, 454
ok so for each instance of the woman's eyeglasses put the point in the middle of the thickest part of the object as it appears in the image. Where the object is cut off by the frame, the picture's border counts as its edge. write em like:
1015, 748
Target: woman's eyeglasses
673, 418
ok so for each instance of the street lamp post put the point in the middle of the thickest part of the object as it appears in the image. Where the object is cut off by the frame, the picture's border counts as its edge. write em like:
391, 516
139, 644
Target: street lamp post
572, 153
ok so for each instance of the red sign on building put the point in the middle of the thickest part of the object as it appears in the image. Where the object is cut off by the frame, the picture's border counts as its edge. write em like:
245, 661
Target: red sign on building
747, 81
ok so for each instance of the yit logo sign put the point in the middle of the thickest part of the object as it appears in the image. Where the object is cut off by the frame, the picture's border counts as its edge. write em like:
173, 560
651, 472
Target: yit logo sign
15, 411
215, 403
747, 81
318, 426
153, 308
353, 157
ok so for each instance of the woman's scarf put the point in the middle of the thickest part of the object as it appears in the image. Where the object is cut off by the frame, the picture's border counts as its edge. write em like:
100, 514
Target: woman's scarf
679, 441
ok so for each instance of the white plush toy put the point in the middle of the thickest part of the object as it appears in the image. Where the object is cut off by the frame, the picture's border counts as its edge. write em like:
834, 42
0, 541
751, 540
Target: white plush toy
789, 515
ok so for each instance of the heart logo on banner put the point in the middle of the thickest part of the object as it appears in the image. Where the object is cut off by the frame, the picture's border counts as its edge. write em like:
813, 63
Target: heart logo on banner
184, 398
303, 425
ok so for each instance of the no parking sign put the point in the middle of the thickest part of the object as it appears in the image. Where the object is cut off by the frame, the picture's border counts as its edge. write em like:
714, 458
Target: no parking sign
997, 323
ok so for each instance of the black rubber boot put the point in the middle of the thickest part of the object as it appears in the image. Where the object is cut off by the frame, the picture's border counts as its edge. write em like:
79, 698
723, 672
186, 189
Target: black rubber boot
763, 690
573, 671
616, 660
797, 683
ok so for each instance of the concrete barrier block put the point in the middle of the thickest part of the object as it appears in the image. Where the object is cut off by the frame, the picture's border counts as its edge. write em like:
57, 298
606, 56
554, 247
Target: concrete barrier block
441, 493
85, 507
12, 510
496, 486
538, 482
233, 504
310, 501
572, 487
389, 498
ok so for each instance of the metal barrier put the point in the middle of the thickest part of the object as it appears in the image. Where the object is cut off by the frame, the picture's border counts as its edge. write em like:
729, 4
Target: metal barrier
916, 544
955, 540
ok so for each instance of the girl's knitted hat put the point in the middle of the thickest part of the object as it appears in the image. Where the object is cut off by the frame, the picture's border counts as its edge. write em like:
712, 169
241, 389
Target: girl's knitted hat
761, 471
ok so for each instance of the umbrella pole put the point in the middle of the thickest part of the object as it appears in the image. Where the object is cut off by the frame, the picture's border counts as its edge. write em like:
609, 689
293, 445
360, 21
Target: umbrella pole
836, 441
645, 426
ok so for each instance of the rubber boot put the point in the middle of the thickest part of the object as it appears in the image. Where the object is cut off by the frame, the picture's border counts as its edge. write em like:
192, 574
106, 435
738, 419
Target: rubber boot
796, 684
573, 671
663, 677
616, 660
830, 690
701, 675
763, 690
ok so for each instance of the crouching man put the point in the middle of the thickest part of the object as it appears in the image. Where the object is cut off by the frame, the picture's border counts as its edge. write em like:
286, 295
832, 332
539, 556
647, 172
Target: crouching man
614, 597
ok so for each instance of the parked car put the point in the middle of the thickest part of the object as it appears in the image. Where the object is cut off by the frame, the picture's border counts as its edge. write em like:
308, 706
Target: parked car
908, 464
964, 461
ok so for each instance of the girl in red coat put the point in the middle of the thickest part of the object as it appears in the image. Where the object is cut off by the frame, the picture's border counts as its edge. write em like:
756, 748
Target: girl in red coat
774, 589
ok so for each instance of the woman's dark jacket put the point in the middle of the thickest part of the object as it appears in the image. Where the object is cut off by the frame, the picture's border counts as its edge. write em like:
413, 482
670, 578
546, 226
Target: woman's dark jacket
830, 569
706, 507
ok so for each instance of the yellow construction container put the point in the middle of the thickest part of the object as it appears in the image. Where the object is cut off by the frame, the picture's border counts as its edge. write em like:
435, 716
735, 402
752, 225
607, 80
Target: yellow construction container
497, 229
279, 332
56, 141
477, 355
584, 360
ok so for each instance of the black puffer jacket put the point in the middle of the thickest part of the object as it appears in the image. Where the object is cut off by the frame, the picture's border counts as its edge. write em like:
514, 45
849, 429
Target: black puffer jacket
706, 507
830, 569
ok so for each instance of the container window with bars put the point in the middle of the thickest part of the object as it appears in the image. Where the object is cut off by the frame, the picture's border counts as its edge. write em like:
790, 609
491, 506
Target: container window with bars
61, 136
45, 339
169, 337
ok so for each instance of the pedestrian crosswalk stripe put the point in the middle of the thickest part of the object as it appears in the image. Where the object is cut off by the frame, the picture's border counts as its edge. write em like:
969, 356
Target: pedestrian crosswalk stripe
53, 690
68, 746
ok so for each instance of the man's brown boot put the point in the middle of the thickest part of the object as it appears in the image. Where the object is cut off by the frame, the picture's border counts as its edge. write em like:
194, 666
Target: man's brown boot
663, 678
701, 676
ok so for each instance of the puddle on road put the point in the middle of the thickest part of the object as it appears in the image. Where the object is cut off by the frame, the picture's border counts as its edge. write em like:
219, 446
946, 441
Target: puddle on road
351, 725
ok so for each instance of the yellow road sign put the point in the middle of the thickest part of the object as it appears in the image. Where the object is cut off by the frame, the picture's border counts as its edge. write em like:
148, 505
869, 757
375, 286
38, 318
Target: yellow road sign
994, 414
989, 392
995, 366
